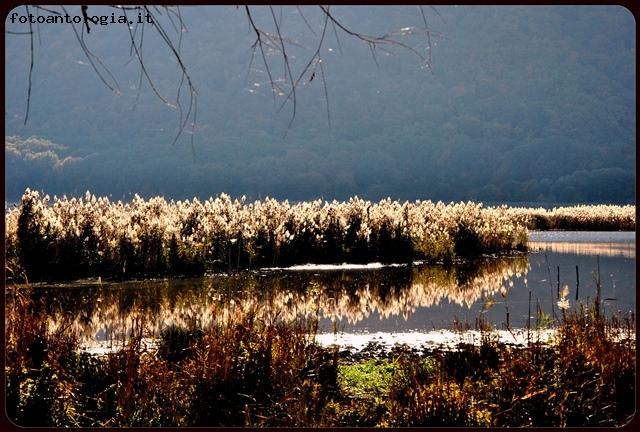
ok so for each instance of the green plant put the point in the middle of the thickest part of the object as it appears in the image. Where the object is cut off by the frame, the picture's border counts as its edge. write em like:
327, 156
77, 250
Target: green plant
368, 378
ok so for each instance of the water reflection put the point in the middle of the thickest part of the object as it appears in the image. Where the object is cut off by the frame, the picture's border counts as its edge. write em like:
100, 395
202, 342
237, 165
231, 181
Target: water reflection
107, 312
429, 286
627, 250
602, 243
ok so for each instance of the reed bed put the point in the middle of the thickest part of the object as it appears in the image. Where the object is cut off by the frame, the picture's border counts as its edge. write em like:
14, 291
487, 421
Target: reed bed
270, 372
600, 217
70, 238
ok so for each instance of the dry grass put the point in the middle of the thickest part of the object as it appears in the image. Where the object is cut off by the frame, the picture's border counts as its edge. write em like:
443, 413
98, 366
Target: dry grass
258, 372
599, 217
89, 236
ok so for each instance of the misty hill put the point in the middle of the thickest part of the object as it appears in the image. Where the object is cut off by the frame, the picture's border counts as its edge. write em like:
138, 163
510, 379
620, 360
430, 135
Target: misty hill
523, 104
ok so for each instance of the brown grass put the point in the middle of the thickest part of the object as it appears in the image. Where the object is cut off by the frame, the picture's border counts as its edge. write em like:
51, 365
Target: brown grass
258, 372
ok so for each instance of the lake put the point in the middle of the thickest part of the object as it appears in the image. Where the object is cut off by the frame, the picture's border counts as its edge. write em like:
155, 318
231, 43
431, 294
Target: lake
419, 305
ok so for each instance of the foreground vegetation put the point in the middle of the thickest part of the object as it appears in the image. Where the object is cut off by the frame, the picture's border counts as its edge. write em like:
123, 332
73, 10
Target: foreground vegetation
89, 237
248, 371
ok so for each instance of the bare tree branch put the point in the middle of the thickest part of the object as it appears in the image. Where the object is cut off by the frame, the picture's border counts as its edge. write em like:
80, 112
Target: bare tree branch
51, 11
185, 75
305, 20
326, 92
38, 27
335, 33
136, 37
93, 59
141, 74
265, 42
26, 115
259, 44
426, 27
288, 69
373, 41
24, 33
314, 60
86, 17
433, 8
277, 42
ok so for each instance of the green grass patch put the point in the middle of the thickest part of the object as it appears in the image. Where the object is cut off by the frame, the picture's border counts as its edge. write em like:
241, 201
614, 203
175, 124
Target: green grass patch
370, 377
374, 377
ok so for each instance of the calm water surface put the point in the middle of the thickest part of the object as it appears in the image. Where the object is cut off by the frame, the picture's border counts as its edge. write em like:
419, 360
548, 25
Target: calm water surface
395, 303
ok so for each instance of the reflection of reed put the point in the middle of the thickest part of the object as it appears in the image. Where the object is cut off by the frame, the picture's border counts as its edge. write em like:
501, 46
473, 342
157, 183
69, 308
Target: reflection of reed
627, 250
353, 296
430, 286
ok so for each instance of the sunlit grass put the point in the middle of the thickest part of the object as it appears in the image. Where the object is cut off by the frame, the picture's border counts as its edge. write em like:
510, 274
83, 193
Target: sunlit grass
67, 238
91, 236
600, 217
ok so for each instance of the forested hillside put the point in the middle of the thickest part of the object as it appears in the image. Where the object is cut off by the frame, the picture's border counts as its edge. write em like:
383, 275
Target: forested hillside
523, 104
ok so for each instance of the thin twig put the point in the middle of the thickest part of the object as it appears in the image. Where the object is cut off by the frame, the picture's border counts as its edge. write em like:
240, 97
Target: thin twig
305, 20
258, 44
438, 13
141, 74
51, 11
335, 33
26, 115
287, 68
371, 40
314, 60
426, 27
93, 59
143, 68
24, 33
326, 93
38, 27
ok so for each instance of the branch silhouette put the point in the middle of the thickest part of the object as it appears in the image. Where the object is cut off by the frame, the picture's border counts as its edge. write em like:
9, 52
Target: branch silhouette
168, 23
